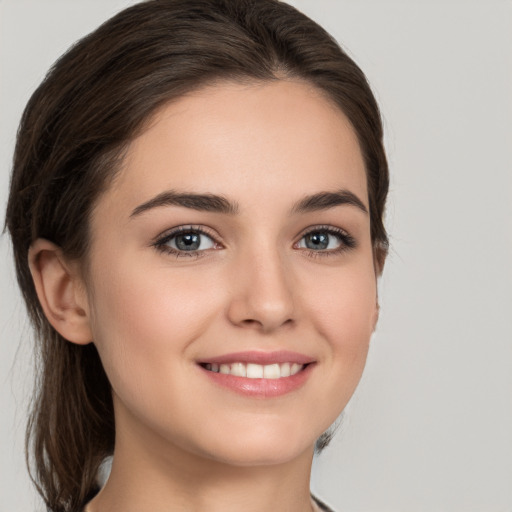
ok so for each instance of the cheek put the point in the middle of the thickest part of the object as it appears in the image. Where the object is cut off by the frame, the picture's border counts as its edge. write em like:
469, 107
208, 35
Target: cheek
144, 320
344, 311
345, 307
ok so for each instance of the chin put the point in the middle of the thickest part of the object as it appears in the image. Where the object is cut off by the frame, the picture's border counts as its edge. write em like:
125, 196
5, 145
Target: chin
260, 446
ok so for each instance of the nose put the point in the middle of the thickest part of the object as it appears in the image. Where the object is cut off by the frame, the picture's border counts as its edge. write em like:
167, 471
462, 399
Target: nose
262, 292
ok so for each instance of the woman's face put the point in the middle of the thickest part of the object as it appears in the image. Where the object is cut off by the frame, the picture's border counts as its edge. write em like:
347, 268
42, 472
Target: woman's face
235, 238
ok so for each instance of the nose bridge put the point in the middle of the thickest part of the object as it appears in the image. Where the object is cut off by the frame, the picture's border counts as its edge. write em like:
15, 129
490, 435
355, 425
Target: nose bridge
263, 293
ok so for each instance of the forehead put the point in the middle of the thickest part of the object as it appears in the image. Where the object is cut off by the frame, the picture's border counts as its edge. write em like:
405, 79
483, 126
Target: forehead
282, 139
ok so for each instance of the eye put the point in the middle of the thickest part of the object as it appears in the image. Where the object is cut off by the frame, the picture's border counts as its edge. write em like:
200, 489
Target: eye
186, 240
191, 241
319, 241
327, 239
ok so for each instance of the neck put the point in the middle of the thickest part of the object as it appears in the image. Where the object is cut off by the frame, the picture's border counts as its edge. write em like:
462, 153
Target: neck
155, 476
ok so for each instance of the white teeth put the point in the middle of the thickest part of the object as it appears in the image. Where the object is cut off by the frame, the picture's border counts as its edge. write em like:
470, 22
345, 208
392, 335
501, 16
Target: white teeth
239, 370
295, 368
256, 371
271, 371
285, 370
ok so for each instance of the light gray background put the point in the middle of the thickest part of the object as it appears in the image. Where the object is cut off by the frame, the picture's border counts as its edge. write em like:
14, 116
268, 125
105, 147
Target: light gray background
430, 427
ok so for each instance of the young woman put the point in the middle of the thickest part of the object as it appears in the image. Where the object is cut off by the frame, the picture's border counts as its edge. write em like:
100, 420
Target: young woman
196, 212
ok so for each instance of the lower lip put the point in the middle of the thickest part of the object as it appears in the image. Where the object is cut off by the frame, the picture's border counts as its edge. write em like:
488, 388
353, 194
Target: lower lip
260, 388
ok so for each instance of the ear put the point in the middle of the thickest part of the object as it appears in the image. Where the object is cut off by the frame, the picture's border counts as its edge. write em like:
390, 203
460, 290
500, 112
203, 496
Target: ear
380, 253
60, 291
376, 315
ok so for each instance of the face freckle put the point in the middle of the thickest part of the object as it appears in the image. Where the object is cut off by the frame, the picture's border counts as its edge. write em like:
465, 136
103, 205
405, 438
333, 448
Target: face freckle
270, 280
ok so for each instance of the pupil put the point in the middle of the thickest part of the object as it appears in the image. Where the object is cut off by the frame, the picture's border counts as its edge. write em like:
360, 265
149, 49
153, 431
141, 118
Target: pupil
188, 242
317, 241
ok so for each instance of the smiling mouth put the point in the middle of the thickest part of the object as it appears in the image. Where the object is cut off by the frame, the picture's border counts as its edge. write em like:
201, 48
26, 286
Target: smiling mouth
256, 371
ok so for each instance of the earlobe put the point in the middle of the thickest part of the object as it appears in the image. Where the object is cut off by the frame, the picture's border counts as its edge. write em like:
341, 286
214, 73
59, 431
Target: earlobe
60, 292
380, 253
376, 316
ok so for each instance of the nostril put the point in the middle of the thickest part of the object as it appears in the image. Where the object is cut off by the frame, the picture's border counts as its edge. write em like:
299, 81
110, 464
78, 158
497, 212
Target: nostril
250, 321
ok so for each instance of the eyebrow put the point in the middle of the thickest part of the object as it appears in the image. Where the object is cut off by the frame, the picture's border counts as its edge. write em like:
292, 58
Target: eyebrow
326, 200
200, 202
219, 204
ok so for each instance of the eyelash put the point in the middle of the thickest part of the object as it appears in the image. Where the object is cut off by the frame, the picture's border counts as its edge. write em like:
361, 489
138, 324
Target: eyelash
161, 243
347, 242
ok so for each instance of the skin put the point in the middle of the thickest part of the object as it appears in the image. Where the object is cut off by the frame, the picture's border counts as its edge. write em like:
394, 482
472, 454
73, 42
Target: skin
183, 443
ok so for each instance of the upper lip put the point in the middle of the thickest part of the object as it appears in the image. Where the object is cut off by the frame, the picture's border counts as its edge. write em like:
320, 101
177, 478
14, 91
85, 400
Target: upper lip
259, 357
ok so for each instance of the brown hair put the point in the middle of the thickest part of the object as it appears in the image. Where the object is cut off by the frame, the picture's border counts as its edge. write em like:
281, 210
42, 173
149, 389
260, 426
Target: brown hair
71, 138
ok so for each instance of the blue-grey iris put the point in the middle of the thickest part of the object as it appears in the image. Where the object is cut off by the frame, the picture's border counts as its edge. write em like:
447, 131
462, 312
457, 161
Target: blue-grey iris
188, 241
317, 241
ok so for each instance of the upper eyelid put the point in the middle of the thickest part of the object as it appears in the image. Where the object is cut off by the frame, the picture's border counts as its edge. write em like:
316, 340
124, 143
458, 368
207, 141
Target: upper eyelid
319, 227
323, 227
184, 228
347, 240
